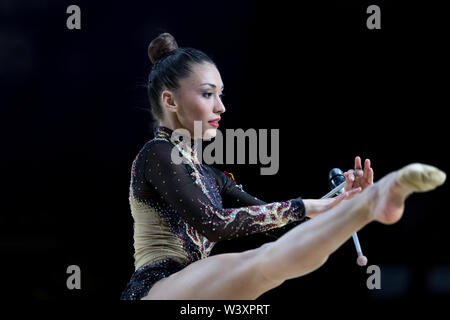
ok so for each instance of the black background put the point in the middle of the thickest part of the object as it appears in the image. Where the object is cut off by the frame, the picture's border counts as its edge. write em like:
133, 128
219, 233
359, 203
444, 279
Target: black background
75, 114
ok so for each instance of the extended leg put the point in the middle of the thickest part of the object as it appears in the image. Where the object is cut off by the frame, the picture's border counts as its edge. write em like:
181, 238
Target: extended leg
303, 249
229, 276
307, 246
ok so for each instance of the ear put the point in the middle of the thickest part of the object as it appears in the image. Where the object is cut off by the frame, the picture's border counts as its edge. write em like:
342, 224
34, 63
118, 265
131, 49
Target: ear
168, 101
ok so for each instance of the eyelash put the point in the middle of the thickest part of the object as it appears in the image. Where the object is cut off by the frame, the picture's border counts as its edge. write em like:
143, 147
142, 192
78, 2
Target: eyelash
221, 96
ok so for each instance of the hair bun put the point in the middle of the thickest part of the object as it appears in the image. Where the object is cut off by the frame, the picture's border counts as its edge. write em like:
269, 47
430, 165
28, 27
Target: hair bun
161, 46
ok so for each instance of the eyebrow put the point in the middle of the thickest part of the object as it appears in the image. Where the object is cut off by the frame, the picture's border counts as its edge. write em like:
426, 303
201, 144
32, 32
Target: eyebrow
210, 84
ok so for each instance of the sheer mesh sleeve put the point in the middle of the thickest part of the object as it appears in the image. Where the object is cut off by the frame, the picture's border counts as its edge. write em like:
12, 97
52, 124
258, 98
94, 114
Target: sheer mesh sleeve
234, 196
175, 183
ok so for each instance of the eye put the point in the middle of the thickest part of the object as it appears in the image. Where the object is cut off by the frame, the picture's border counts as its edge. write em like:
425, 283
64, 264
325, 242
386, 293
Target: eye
207, 94
222, 95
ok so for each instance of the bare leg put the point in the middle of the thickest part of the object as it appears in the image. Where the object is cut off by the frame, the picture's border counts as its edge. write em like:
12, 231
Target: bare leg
307, 246
303, 249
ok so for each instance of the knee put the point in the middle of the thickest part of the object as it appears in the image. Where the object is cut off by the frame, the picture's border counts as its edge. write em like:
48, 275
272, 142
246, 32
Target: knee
315, 264
273, 274
322, 261
262, 266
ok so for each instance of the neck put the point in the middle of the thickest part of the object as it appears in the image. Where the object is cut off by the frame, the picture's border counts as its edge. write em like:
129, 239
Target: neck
173, 124
171, 121
185, 143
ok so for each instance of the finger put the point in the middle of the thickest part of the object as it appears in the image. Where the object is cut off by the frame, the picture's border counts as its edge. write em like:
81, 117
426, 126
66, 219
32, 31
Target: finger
353, 192
366, 169
353, 176
346, 195
358, 173
348, 182
349, 176
341, 197
370, 176
358, 163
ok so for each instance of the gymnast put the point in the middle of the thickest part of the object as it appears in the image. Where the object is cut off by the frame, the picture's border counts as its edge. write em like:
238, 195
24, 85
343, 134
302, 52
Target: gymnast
181, 210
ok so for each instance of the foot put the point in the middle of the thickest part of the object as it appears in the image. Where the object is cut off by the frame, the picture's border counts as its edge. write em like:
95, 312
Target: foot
392, 191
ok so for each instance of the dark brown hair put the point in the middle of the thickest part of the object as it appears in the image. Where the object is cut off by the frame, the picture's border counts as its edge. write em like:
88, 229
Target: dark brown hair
170, 64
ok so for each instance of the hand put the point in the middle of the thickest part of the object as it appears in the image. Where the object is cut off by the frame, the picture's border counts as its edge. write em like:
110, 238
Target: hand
358, 177
313, 207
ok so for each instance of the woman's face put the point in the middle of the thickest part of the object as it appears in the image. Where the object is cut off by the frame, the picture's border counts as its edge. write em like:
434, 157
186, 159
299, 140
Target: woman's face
199, 98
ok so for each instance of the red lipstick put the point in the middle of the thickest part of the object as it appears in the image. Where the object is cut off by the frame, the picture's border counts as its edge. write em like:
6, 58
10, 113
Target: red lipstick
215, 122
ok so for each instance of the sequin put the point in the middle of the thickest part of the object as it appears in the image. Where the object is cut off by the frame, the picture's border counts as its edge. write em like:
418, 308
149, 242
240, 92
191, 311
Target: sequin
169, 226
144, 278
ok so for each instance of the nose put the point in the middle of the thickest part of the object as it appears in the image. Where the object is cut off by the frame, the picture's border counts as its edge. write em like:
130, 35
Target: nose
219, 107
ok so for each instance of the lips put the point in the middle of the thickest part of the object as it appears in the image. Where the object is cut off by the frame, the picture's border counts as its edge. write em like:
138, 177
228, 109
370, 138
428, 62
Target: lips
215, 122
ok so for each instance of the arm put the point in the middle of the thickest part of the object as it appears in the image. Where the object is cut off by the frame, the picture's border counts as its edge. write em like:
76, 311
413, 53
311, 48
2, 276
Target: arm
234, 196
177, 186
